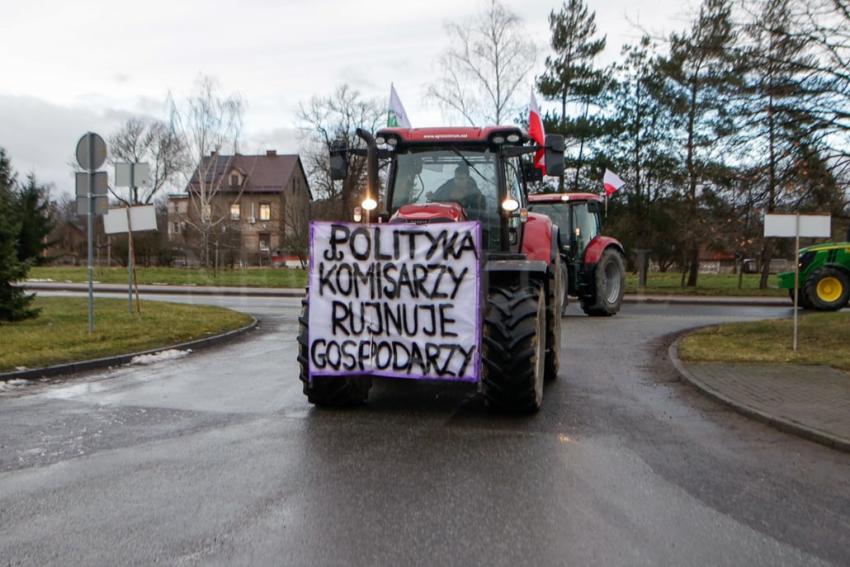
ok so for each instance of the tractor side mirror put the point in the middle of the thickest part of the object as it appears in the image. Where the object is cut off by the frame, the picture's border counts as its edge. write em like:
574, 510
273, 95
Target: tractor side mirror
338, 163
555, 155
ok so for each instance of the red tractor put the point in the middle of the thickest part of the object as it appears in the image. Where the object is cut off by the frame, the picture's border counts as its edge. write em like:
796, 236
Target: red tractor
594, 264
447, 175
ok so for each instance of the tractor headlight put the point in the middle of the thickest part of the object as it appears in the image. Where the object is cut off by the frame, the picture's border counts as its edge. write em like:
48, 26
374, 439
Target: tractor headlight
380, 140
510, 205
369, 204
358, 214
806, 259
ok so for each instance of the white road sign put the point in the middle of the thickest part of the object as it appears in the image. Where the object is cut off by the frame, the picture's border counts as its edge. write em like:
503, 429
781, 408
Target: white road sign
811, 226
101, 183
101, 205
141, 174
142, 218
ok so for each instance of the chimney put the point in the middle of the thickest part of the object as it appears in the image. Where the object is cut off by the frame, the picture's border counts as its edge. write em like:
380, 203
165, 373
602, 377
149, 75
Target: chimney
271, 153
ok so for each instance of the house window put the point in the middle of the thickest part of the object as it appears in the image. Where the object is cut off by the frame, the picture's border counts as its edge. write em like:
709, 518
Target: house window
265, 211
264, 241
234, 211
234, 179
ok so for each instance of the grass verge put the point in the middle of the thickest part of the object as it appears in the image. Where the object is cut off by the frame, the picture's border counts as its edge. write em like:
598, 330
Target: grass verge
248, 277
824, 338
59, 333
670, 283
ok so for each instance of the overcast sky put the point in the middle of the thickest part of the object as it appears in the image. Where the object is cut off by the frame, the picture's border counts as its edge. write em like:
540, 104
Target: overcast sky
70, 67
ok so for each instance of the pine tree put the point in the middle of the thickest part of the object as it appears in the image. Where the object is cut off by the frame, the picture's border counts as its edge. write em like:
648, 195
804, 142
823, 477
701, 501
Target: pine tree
642, 149
779, 132
14, 303
700, 72
572, 79
33, 210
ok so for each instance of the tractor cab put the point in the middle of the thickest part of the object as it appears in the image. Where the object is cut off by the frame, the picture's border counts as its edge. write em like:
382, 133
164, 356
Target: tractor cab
457, 174
594, 263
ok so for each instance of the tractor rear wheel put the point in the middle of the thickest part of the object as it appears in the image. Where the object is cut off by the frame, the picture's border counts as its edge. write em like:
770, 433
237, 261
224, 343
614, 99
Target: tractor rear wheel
514, 348
827, 289
609, 284
327, 391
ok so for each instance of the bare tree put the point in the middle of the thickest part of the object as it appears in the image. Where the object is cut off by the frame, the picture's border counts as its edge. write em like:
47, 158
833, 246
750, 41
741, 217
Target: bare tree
153, 142
207, 122
487, 63
330, 120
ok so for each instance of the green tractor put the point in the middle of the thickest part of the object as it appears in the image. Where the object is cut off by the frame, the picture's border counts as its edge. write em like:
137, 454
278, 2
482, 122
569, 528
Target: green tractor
824, 277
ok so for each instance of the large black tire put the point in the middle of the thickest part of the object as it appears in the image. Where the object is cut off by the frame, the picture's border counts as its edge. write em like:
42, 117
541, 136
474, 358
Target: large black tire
553, 322
609, 284
802, 299
329, 391
827, 289
565, 295
513, 349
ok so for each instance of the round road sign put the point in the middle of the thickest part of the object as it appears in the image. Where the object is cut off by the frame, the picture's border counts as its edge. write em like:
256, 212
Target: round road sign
91, 151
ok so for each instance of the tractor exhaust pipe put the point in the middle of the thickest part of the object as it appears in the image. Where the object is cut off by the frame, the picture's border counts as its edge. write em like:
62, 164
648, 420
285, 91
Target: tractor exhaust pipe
370, 202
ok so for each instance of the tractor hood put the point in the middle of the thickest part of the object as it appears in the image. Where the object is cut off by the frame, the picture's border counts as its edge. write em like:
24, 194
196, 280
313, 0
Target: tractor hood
824, 246
430, 212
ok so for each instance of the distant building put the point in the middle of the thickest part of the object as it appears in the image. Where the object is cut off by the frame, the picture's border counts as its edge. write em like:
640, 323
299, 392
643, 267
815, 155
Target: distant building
252, 209
67, 243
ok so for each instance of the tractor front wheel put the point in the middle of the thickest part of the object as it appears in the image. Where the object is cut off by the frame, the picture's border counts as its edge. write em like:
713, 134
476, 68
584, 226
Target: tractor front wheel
514, 348
327, 391
802, 298
609, 284
827, 289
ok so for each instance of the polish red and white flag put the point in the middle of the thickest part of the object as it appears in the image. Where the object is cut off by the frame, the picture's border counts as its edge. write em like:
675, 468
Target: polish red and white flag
536, 132
612, 182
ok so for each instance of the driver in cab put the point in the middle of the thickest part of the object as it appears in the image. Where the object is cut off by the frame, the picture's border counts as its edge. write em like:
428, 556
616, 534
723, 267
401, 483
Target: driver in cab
461, 188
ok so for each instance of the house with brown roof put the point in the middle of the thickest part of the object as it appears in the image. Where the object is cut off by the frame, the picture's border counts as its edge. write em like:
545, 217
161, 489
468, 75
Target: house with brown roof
242, 209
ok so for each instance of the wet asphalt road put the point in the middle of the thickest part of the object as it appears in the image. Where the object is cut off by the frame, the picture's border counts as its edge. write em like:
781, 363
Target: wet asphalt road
216, 458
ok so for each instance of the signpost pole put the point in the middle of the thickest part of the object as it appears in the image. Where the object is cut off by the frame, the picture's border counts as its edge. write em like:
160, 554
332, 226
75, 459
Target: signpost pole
796, 275
130, 249
91, 236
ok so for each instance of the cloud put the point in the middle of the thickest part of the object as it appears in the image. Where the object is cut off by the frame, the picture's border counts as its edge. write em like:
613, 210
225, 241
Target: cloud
41, 137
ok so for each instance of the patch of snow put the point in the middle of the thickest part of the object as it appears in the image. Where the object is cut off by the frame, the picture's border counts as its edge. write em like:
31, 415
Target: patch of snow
40, 279
19, 368
12, 384
160, 356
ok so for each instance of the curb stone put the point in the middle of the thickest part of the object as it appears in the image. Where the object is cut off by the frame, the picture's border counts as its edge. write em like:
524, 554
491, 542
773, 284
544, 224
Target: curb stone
786, 425
743, 301
121, 359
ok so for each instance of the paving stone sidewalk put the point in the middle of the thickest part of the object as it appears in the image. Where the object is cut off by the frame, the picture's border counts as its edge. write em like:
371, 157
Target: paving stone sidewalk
812, 401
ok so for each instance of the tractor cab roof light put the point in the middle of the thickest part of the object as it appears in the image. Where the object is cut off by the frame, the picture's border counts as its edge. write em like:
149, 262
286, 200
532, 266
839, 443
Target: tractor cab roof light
392, 141
380, 140
498, 139
369, 204
565, 197
513, 138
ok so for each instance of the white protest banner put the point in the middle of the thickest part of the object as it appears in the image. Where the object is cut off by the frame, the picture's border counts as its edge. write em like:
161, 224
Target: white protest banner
395, 300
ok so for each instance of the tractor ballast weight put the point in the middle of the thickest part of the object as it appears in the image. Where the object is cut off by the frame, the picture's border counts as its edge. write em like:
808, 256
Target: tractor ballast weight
593, 264
449, 175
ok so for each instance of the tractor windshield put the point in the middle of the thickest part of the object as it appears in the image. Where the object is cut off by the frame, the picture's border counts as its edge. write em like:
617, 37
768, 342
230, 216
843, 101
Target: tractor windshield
441, 176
